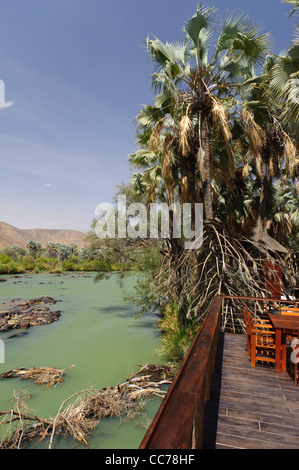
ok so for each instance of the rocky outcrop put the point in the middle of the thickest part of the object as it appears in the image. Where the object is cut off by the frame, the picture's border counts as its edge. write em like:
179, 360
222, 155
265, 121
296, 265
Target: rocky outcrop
17, 314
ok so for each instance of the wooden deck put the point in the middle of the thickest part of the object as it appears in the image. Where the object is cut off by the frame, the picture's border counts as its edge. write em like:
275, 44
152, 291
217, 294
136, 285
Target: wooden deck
250, 408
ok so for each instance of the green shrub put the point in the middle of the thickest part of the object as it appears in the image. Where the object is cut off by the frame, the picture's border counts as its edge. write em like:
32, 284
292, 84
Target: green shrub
95, 265
175, 342
69, 265
10, 268
41, 264
116, 267
4, 259
28, 263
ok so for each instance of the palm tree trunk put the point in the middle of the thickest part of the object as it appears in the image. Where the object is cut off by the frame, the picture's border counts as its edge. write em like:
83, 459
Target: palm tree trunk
206, 169
263, 196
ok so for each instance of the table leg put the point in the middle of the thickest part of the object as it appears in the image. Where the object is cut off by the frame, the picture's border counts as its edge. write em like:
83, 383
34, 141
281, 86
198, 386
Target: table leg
283, 353
278, 351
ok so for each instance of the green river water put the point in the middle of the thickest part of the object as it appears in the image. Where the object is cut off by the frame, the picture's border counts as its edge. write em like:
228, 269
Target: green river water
97, 332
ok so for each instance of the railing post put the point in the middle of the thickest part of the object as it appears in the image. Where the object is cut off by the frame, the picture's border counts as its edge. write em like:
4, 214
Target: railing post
198, 421
208, 378
211, 363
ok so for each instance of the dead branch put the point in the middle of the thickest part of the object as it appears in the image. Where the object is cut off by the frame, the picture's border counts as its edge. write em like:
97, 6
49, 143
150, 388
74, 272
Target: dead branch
42, 375
80, 413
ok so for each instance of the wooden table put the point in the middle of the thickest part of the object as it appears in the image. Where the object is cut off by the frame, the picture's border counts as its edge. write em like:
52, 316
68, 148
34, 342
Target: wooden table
283, 325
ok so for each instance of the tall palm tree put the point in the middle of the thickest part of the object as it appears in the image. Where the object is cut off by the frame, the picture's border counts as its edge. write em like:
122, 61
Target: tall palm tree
195, 92
33, 248
284, 82
270, 146
187, 151
284, 221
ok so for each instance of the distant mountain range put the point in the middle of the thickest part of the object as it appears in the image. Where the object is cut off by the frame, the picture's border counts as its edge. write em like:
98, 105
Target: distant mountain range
10, 235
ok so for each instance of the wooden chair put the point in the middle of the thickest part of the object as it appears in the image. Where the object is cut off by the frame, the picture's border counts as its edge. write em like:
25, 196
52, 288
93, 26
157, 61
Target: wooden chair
285, 310
249, 326
247, 319
262, 342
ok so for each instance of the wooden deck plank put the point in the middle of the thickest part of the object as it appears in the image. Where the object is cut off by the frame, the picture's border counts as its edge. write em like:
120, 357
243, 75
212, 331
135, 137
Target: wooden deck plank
260, 439
261, 417
250, 408
240, 442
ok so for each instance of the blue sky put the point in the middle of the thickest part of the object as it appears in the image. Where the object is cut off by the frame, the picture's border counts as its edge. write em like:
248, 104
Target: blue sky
78, 74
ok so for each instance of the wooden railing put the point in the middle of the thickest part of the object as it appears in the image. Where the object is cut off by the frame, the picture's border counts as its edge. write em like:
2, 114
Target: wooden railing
178, 424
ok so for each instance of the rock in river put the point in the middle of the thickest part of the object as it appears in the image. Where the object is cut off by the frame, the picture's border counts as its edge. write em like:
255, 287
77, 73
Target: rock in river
17, 314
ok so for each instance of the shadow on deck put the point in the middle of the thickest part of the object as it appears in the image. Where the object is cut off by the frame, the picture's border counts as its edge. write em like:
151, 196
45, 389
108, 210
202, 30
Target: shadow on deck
249, 408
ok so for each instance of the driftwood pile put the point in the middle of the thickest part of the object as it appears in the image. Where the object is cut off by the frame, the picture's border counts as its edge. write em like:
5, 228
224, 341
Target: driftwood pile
79, 414
17, 314
48, 376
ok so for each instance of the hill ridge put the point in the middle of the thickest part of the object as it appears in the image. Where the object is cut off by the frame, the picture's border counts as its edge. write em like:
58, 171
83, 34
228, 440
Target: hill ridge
10, 235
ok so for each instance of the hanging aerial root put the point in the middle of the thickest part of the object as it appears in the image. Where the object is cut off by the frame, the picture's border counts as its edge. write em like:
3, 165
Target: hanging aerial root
224, 265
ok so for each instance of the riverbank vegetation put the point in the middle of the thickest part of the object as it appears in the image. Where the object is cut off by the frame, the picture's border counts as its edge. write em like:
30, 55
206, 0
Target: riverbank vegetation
99, 255
58, 259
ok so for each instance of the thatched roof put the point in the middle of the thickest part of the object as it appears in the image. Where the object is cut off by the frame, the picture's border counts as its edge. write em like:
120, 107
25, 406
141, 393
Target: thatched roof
269, 242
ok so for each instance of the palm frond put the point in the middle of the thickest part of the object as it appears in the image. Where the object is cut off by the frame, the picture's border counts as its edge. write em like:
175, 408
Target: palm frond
142, 158
221, 122
148, 115
246, 166
155, 139
185, 132
199, 30
284, 86
289, 95
290, 155
220, 119
164, 99
184, 189
292, 2
163, 54
240, 38
254, 133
